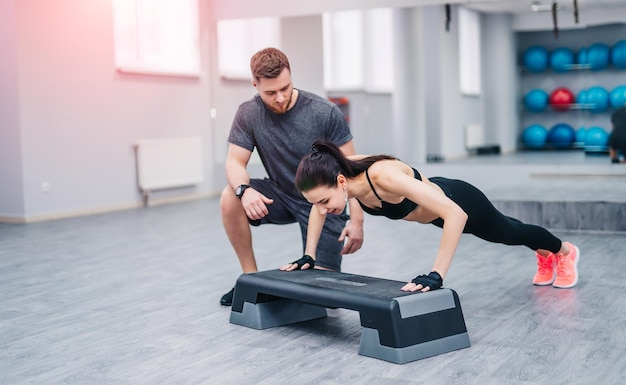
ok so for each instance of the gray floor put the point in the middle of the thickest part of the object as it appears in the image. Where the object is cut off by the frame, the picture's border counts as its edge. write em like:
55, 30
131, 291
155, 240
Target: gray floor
132, 298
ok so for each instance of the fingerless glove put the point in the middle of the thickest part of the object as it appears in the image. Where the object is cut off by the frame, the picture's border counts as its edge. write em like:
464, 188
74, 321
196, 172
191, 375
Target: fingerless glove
304, 260
432, 280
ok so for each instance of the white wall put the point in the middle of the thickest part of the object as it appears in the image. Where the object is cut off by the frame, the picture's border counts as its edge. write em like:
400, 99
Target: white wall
302, 42
11, 185
78, 117
500, 80
428, 103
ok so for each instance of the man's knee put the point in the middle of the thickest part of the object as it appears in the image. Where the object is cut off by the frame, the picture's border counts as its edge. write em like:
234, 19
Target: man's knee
229, 203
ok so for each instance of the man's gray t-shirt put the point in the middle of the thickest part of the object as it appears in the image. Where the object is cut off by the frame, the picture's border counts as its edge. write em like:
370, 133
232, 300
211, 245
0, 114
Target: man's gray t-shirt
283, 139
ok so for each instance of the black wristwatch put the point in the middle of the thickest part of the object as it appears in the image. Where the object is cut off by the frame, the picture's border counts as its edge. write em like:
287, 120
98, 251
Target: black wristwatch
240, 190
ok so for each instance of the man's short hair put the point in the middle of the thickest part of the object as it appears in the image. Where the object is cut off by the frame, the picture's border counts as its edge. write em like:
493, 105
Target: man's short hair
268, 63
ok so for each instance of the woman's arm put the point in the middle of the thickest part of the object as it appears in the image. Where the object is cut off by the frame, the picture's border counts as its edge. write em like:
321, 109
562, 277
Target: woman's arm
390, 178
314, 231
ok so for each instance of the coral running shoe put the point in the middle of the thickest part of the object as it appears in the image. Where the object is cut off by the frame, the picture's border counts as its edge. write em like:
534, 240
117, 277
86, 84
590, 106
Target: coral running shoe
567, 268
545, 270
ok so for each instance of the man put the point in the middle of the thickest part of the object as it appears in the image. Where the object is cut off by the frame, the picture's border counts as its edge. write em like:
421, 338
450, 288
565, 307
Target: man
282, 122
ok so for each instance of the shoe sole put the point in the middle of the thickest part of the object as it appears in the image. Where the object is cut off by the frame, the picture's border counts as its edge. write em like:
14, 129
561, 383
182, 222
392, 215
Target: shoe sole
575, 270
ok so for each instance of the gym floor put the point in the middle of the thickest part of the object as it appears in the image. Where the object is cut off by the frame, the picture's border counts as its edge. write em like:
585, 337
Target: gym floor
131, 297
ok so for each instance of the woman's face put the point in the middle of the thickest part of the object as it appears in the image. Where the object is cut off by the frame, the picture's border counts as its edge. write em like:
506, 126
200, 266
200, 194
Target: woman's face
327, 200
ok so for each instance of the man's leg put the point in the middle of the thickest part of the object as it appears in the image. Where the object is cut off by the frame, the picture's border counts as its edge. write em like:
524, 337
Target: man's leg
237, 229
237, 225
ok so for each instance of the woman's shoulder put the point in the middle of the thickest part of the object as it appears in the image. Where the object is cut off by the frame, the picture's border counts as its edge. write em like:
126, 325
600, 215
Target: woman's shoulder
390, 167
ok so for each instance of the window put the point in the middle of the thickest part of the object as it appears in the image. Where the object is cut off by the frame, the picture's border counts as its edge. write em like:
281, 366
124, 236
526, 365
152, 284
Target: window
469, 52
157, 36
239, 39
358, 50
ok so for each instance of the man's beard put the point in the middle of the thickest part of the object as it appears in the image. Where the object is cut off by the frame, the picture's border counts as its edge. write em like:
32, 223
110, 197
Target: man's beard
284, 108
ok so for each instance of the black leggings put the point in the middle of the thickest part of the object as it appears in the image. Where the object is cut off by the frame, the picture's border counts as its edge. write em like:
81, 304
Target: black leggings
486, 222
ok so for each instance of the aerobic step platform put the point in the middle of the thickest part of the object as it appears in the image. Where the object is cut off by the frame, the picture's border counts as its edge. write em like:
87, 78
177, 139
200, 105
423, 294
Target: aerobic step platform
398, 327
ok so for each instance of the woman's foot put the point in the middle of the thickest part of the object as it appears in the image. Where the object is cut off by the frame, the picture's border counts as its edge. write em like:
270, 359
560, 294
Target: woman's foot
567, 268
545, 270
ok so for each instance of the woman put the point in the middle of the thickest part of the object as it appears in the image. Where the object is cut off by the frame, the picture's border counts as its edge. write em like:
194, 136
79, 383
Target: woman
383, 185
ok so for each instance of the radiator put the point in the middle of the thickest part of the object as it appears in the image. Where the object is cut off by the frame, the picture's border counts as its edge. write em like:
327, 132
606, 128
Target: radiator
168, 162
474, 136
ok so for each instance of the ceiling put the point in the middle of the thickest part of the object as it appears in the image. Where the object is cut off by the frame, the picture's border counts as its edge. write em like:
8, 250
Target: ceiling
524, 6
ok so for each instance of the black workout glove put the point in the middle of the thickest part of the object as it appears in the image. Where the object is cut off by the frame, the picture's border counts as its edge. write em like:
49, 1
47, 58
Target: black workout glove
432, 280
304, 260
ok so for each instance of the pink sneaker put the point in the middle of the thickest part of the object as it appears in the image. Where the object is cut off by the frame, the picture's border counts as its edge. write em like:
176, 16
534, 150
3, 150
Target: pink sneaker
545, 270
567, 268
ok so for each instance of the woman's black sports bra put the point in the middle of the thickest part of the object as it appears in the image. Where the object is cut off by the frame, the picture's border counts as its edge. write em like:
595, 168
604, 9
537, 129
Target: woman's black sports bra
391, 210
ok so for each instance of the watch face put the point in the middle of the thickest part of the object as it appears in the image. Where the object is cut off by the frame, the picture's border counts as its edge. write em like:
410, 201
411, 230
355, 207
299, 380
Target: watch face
240, 189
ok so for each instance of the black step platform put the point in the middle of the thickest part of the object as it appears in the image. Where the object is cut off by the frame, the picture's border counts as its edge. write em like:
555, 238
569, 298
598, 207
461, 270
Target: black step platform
397, 326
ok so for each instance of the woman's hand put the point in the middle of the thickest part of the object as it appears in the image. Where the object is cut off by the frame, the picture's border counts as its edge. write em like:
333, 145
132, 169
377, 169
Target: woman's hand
432, 281
304, 263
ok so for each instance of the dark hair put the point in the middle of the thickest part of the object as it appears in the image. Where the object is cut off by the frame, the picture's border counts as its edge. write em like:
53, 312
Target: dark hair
325, 162
268, 63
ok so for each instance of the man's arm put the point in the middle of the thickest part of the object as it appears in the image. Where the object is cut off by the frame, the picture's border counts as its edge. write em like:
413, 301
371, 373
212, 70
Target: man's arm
253, 202
236, 165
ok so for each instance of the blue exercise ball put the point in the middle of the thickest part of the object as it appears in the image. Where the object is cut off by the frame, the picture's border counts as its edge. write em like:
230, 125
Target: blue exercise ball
581, 56
535, 136
598, 56
561, 59
581, 98
536, 100
618, 54
536, 59
598, 98
596, 136
580, 135
561, 135
618, 96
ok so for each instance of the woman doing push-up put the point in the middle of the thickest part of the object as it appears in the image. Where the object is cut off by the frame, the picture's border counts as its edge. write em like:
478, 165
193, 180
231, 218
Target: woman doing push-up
384, 185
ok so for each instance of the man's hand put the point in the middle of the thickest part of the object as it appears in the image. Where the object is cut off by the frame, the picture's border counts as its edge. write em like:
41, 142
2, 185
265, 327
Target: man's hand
354, 232
255, 204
